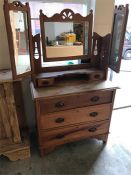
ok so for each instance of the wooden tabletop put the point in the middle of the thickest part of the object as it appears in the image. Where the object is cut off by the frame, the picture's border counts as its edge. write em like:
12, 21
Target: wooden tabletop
5, 76
69, 87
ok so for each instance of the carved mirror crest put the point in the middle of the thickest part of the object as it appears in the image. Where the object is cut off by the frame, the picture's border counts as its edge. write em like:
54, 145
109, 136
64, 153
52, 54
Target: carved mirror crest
17, 18
66, 36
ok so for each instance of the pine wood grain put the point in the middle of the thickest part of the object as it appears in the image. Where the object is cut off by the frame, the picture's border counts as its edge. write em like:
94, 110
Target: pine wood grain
5, 118
12, 112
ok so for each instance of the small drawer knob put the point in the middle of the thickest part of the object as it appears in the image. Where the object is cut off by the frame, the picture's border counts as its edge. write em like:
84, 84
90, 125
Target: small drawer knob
59, 136
97, 76
93, 129
45, 82
95, 99
59, 104
93, 114
59, 120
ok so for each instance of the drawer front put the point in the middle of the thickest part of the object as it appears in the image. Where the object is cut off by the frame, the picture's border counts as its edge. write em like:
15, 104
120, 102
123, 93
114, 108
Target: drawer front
73, 101
66, 135
75, 116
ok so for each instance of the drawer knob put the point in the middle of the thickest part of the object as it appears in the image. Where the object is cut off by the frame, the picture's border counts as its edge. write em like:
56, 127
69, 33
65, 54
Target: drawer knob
45, 82
60, 137
59, 104
95, 99
97, 76
93, 129
93, 114
59, 120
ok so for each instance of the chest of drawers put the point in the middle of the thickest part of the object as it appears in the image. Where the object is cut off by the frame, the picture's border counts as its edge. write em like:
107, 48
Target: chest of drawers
72, 111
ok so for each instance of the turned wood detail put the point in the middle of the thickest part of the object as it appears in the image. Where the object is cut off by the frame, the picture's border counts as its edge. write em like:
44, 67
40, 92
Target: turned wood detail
7, 133
36, 54
8, 112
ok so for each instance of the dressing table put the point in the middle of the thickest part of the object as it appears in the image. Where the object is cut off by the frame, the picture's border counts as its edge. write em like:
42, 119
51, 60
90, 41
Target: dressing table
72, 111
72, 101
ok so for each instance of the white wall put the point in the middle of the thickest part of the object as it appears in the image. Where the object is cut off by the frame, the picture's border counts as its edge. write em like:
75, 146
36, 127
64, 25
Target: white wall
103, 16
4, 51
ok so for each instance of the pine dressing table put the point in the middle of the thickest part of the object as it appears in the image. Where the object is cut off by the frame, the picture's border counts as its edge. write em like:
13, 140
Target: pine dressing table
72, 102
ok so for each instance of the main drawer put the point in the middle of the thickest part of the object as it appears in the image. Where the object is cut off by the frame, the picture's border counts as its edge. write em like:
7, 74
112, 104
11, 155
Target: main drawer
65, 135
75, 100
75, 116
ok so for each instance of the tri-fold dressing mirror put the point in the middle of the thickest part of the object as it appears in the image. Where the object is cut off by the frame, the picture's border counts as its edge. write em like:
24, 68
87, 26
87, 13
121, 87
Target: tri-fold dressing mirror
64, 36
18, 27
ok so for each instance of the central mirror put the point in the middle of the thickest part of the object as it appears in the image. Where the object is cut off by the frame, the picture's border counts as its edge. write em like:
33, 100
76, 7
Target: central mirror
64, 39
66, 36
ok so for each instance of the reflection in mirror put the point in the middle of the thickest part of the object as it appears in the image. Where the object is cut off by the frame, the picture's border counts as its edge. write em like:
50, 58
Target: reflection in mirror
118, 27
19, 27
64, 39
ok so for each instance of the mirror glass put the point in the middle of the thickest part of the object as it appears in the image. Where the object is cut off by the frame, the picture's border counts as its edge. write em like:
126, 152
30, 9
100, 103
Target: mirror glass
65, 39
20, 36
117, 33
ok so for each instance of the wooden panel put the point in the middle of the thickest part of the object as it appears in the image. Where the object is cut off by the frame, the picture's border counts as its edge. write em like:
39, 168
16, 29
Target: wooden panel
2, 130
19, 104
76, 116
73, 134
63, 51
4, 115
12, 112
74, 100
72, 87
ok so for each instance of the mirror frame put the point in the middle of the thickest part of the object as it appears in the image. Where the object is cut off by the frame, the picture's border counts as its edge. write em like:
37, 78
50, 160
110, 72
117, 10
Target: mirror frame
120, 10
18, 6
66, 15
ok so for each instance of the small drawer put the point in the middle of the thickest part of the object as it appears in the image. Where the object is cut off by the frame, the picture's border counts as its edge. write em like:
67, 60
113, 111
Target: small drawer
66, 135
45, 82
75, 116
73, 101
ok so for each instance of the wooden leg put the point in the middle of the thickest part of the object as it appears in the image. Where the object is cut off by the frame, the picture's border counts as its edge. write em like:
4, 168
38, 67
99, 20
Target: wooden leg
18, 155
44, 151
103, 137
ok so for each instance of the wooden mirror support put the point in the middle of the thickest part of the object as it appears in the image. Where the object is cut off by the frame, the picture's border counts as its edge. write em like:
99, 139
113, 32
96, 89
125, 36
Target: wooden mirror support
94, 70
19, 35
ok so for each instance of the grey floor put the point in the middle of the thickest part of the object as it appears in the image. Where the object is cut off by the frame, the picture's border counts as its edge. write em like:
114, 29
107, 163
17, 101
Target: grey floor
88, 157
